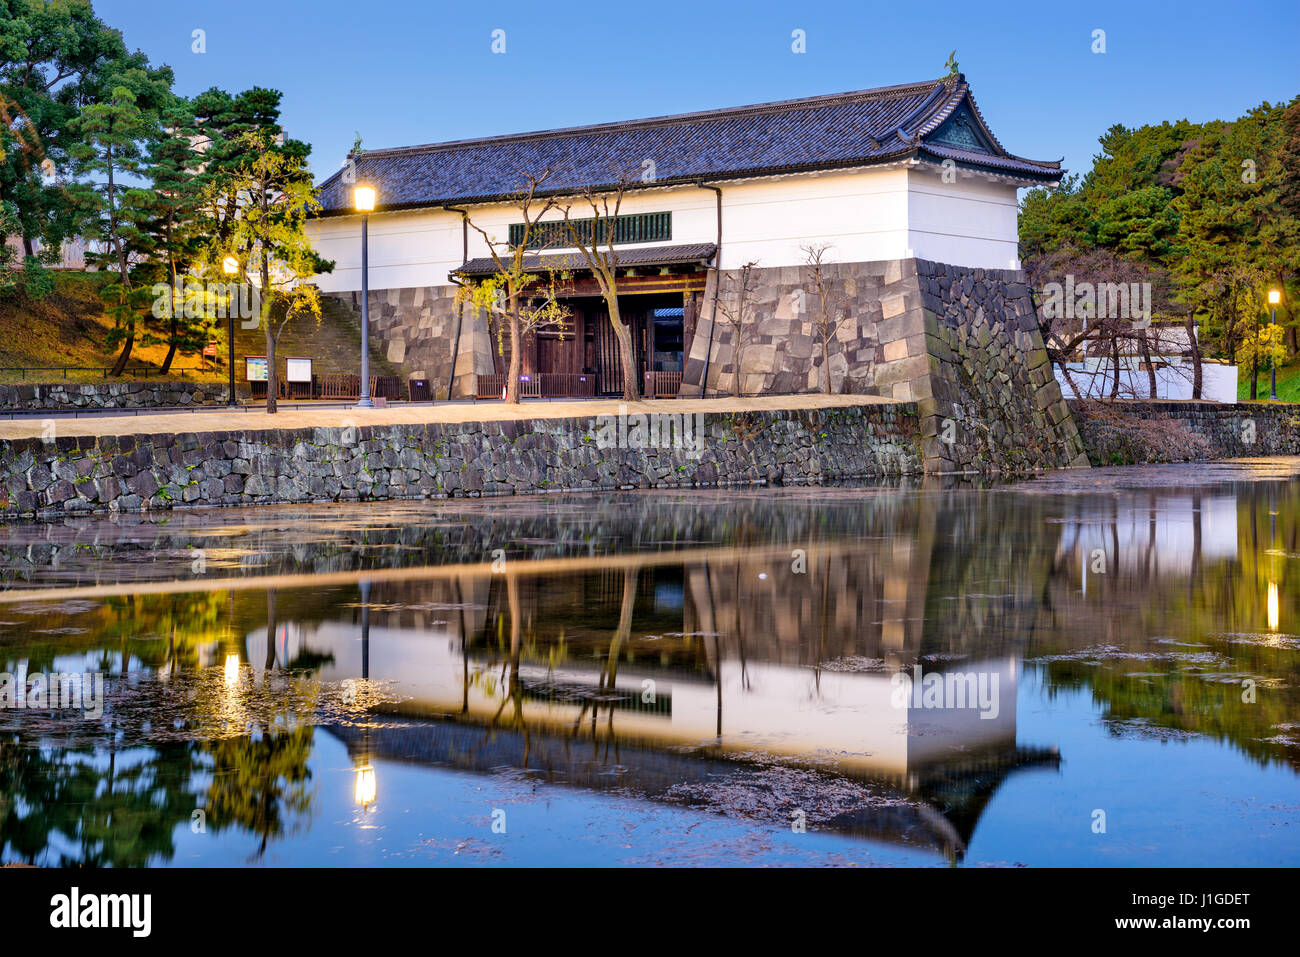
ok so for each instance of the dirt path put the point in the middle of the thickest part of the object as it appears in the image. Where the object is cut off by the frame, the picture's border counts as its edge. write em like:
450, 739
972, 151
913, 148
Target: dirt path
256, 420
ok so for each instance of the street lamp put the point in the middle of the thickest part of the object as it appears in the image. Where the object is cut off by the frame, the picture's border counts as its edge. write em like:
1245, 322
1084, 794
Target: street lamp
230, 266
1274, 297
363, 199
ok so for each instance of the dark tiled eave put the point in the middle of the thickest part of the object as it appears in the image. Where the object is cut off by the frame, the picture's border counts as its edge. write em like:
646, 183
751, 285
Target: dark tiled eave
844, 131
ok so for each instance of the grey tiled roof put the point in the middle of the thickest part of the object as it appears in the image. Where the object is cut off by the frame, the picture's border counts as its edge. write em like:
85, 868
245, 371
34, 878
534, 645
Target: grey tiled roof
644, 256
823, 132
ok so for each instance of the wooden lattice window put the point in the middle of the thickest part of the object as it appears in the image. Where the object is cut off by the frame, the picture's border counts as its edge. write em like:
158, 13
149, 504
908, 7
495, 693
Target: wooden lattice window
631, 228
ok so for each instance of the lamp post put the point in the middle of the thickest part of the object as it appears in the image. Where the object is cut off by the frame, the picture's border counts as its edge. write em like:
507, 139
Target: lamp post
230, 266
1274, 297
363, 199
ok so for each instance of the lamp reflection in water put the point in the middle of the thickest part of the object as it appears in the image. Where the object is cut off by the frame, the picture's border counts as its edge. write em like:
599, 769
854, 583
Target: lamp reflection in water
364, 793
1272, 607
232, 670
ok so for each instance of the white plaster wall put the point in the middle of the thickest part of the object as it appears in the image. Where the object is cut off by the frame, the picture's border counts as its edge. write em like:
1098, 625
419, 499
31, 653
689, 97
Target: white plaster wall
968, 222
406, 249
1096, 377
862, 215
420, 248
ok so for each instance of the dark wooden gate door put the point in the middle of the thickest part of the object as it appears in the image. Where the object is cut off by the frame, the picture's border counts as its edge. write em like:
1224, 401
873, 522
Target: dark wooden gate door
608, 365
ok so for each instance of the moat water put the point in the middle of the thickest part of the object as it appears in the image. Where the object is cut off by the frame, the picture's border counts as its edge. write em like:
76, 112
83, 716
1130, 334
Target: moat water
1093, 668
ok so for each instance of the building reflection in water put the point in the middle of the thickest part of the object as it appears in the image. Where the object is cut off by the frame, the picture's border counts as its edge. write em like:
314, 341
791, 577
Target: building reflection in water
656, 675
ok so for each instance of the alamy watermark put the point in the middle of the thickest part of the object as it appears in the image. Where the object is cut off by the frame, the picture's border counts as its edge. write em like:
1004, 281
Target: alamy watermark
77, 690
946, 691
1102, 300
208, 300
656, 430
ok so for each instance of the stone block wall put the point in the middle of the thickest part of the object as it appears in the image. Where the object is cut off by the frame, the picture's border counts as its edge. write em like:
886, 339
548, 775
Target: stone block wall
1242, 430
110, 395
76, 474
417, 326
964, 344
781, 349
993, 403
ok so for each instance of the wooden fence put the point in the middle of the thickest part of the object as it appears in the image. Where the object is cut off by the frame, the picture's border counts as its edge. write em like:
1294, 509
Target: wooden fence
334, 385
541, 385
662, 385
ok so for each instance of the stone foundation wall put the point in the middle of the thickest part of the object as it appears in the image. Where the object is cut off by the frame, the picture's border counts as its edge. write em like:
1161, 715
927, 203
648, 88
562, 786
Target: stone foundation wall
417, 327
780, 348
993, 403
110, 395
128, 473
964, 344
1218, 431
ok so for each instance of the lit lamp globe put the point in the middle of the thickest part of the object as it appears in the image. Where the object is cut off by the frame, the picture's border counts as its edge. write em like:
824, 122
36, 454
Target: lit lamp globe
363, 199
230, 266
1274, 297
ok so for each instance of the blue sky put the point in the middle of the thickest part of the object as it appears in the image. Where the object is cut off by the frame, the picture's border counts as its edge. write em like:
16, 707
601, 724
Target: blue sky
403, 72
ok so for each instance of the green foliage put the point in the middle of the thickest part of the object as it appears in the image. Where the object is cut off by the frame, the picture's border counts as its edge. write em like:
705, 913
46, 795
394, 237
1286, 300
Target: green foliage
1262, 347
37, 281
1210, 209
93, 142
54, 58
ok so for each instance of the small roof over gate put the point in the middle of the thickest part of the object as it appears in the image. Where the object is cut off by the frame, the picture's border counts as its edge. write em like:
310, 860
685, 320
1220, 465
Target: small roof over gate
700, 253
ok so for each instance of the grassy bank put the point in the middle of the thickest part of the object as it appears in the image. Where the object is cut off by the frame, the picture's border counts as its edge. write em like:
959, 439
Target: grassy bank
61, 337
1288, 383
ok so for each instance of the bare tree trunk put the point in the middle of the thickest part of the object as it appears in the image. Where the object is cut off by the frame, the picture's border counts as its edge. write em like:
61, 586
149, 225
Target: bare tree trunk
626, 350
1145, 346
272, 338
272, 380
826, 364
171, 351
1196, 357
627, 356
120, 365
272, 334
124, 274
1114, 354
171, 348
516, 360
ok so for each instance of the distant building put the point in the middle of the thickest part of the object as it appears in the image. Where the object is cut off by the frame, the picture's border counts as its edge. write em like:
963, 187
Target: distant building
72, 253
1090, 373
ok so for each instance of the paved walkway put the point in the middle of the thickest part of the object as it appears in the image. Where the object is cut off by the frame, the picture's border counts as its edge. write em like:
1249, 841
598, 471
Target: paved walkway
256, 419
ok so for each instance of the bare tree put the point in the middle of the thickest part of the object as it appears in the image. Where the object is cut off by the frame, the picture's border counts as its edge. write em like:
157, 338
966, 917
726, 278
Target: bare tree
594, 240
520, 293
832, 310
1098, 332
737, 310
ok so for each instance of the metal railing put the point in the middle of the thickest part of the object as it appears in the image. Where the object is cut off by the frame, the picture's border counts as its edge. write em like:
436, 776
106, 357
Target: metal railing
143, 372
